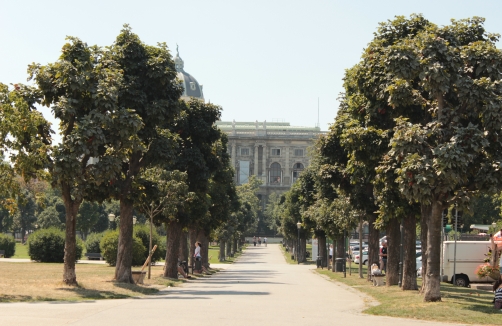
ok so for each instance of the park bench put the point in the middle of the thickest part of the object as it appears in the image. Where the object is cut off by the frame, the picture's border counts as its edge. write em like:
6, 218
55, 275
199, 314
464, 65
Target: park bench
2, 253
94, 255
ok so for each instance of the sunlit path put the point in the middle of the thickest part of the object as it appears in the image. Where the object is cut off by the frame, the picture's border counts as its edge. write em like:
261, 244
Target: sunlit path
260, 289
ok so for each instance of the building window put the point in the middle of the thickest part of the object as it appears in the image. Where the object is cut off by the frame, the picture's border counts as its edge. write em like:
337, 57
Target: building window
192, 86
299, 152
275, 174
297, 170
276, 152
243, 172
244, 151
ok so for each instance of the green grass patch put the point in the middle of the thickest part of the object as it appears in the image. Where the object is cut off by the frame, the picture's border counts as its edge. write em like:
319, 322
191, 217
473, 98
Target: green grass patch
459, 305
21, 251
214, 251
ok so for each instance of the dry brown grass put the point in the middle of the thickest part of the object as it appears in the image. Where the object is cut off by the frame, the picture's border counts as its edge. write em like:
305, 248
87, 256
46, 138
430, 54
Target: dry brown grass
43, 282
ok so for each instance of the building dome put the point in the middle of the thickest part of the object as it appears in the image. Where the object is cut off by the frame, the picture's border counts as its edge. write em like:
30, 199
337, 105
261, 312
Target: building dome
190, 85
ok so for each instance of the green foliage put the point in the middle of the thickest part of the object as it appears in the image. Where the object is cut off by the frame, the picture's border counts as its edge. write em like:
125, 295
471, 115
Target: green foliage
8, 244
93, 241
142, 232
47, 246
109, 248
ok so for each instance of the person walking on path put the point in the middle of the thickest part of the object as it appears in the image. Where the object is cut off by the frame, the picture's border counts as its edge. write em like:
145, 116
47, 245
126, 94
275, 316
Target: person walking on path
265, 241
254, 241
259, 241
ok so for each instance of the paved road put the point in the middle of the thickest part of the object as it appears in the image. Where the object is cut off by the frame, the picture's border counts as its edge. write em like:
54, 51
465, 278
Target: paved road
260, 289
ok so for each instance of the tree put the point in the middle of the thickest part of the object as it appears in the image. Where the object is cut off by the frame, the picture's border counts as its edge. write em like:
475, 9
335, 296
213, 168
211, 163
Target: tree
151, 91
88, 215
82, 88
449, 152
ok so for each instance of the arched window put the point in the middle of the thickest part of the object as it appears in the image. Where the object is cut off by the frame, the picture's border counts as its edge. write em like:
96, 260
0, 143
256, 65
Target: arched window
297, 170
275, 174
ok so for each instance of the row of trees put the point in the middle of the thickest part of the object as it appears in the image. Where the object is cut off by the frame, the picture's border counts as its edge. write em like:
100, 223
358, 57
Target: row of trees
127, 136
418, 131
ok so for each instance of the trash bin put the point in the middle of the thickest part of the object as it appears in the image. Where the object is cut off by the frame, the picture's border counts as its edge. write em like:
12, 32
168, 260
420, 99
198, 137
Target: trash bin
319, 261
198, 265
339, 264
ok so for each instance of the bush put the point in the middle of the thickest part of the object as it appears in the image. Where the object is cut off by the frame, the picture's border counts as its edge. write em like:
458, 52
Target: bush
8, 244
93, 241
110, 242
142, 231
47, 246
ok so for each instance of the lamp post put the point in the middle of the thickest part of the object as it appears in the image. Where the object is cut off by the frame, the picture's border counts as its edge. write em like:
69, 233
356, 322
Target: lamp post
111, 218
299, 226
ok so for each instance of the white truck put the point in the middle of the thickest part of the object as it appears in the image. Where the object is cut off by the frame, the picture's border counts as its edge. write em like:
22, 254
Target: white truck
469, 255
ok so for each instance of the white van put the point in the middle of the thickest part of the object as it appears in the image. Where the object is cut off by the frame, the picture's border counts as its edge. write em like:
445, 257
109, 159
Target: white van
470, 254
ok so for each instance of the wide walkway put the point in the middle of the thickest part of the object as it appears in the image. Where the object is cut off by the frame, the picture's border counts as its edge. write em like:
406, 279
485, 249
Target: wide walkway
260, 289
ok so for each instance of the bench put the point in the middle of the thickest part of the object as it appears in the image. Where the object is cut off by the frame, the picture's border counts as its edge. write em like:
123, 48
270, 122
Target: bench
94, 255
2, 253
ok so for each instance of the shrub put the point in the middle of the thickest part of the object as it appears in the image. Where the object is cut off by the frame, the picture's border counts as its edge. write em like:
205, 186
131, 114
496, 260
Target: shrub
47, 246
8, 244
93, 241
142, 231
110, 242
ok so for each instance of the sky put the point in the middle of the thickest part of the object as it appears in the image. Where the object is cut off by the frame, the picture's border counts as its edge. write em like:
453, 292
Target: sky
274, 60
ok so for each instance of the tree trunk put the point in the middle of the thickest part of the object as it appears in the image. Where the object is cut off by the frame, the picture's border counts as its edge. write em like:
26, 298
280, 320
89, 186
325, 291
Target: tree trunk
409, 253
393, 252
229, 247
183, 253
303, 250
234, 244
339, 253
192, 235
373, 245
70, 245
124, 251
221, 256
174, 231
426, 211
432, 291
321, 240
204, 251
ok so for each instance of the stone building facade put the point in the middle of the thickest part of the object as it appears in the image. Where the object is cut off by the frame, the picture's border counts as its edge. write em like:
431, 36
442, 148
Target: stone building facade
274, 152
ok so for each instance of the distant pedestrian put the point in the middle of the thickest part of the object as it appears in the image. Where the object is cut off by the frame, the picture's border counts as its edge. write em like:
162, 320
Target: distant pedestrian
259, 241
383, 257
265, 241
254, 241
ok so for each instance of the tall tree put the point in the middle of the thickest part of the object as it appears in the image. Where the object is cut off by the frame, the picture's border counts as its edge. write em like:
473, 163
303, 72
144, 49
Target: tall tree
82, 88
150, 90
452, 73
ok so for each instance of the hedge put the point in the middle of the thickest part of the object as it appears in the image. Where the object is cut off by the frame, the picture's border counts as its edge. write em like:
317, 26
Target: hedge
7, 244
47, 246
109, 244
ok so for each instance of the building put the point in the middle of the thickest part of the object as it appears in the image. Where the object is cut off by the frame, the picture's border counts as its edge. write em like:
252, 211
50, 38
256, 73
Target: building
274, 152
192, 89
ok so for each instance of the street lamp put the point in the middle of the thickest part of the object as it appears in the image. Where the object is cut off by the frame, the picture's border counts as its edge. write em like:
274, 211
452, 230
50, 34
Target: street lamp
111, 218
299, 226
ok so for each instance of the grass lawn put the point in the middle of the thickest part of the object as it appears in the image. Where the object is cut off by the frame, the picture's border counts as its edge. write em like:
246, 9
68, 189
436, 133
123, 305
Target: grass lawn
43, 282
21, 251
459, 305
213, 254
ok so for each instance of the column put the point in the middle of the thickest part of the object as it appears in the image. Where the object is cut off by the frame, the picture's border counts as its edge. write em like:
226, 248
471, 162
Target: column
233, 155
264, 165
287, 172
256, 160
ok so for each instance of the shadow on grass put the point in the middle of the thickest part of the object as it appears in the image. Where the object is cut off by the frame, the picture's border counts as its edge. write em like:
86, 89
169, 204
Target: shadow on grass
94, 294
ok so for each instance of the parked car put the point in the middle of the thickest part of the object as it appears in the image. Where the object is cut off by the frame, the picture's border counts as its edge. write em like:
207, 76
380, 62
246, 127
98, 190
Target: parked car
364, 259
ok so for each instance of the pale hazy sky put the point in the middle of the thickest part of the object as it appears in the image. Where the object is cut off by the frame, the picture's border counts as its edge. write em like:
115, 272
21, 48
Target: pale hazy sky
260, 60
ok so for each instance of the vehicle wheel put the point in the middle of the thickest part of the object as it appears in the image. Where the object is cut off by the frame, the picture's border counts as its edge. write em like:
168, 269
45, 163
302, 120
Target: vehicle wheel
461, 280
365, 263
